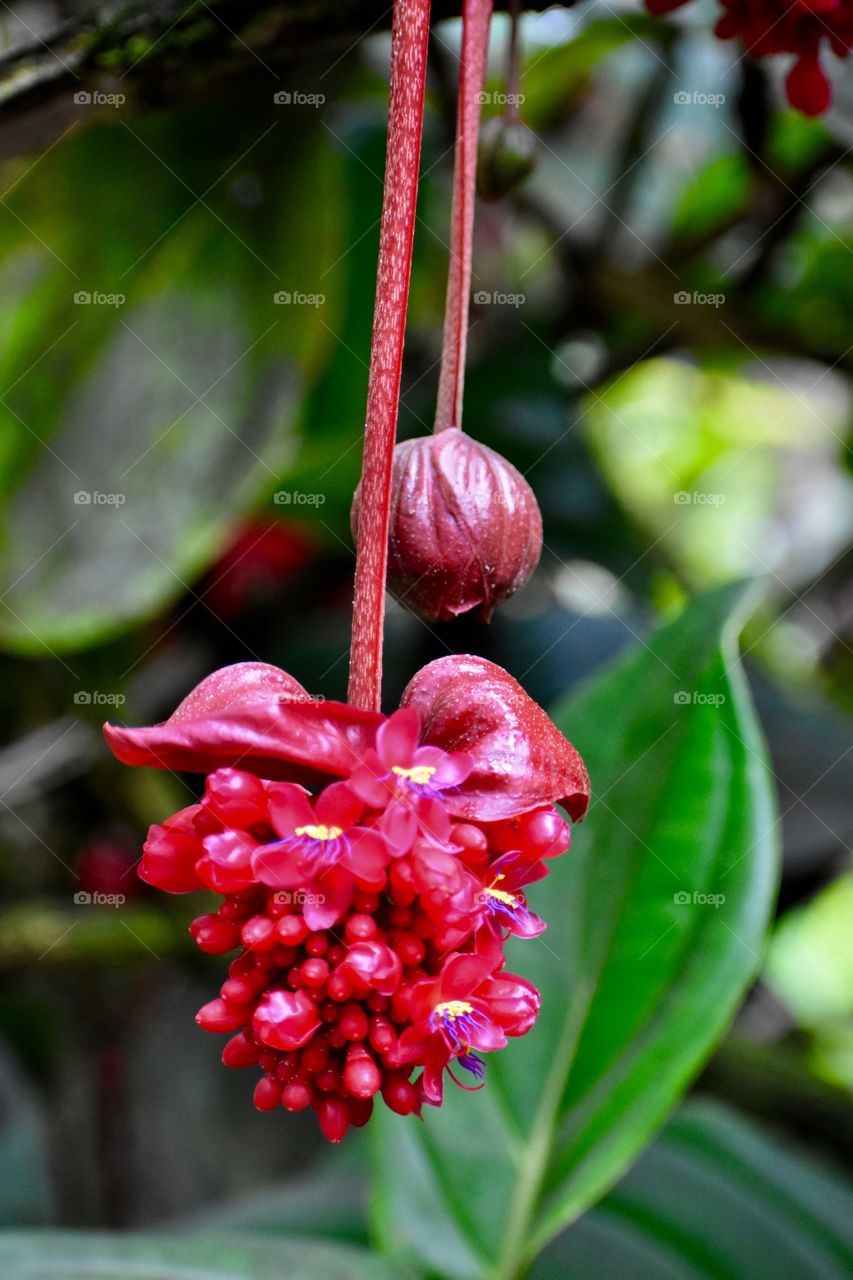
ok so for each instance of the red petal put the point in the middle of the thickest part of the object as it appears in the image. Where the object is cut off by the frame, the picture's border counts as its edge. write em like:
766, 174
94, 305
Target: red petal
285, 1019
412, 1045
277, 867
255, 717
438, 1056
807, 86
329, 898
338, 806
368, 856
462, 974
398, 738
289, 808
237, 686
399, 828
521, 759
487, 1035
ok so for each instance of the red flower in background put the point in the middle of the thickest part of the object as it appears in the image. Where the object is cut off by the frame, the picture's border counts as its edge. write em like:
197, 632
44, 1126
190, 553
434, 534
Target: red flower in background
369, 868
787, 26
262, 555
105, 867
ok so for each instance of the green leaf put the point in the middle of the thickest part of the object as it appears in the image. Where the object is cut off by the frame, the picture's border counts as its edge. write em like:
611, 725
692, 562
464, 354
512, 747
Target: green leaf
716, 195
810, 957
637, 984
48, 934
139, 429
62, 1254
712, 1199
328, 1200
556, 76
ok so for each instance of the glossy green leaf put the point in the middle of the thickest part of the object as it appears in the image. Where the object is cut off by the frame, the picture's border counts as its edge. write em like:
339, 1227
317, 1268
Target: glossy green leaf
59, 1255
656, 924
168, 400
712, 1199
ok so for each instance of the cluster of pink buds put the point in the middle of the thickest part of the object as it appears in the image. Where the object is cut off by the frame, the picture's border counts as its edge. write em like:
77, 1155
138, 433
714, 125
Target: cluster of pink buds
368, 876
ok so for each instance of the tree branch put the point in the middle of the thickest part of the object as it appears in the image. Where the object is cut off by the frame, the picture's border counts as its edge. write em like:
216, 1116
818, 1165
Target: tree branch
159, 54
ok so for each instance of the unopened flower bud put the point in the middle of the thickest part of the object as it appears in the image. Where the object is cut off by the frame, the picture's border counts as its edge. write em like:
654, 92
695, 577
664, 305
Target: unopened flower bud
505, 157
465, 530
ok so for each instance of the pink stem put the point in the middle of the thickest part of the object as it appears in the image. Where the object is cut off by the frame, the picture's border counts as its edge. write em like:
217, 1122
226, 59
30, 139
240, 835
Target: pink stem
409, 37
476, 16
513, 61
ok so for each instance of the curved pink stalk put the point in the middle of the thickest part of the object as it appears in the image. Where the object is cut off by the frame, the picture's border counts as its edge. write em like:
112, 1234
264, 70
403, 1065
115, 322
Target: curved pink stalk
476, 15
409, 37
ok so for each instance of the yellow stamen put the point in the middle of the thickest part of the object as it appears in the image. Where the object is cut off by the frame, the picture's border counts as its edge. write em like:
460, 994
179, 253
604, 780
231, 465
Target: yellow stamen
319, 833
419, 776
453, 1009
508, 899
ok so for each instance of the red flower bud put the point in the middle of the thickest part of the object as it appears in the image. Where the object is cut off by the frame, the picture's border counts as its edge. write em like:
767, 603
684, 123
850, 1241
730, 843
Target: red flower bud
219, 1015
465, 527
267, 1094
285, 1019
362, 1077
372, 966
214, 935
334, 1117
170, 853
240, 1052
236, 798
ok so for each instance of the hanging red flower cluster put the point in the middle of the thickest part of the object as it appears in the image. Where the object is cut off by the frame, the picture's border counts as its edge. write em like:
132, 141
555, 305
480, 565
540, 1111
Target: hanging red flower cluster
787, 26
370, 868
